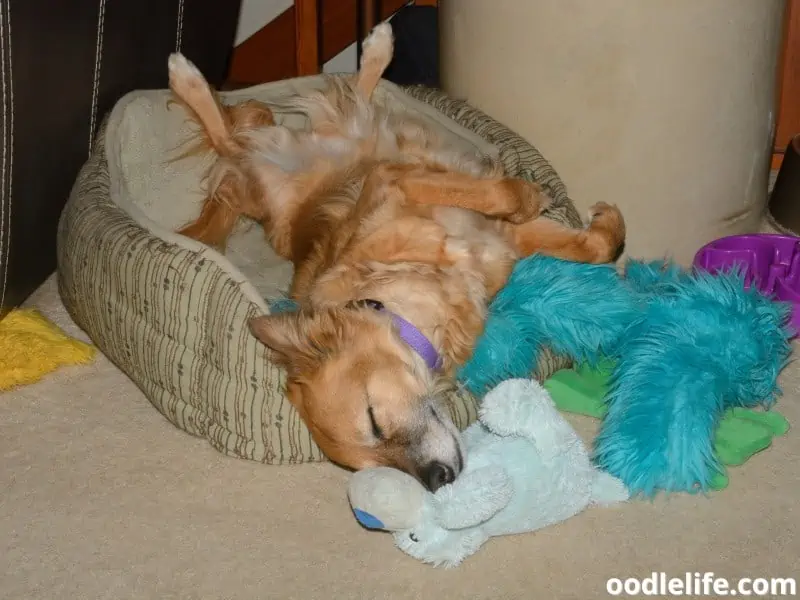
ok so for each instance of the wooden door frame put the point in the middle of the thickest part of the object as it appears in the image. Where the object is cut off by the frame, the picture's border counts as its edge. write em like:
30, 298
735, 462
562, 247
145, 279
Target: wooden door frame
303, 38
788, 84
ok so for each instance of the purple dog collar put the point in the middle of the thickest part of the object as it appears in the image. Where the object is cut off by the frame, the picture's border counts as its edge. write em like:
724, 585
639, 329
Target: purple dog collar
411, 336
418, 342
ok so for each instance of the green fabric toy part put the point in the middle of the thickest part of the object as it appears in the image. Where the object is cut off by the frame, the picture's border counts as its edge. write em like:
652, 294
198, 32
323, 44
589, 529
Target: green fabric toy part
525, 469
742, 432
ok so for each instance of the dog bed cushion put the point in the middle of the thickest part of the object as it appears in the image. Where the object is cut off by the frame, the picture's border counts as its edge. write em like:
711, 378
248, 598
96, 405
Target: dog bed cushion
172, 313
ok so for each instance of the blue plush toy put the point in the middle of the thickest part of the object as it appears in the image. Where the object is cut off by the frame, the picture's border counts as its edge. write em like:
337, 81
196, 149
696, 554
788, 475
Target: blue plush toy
687, 346
525, 468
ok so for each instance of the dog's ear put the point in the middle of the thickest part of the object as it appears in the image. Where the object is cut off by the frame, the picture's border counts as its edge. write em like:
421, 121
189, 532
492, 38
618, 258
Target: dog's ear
300, 340
287, 335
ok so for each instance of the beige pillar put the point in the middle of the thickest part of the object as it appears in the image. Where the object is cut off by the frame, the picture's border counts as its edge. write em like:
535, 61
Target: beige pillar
665, 107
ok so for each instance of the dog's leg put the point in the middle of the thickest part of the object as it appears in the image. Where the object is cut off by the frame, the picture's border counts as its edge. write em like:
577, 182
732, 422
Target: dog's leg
514, 200
217, 219
230, 194
518, 203
192, 90
376, 56
600, 242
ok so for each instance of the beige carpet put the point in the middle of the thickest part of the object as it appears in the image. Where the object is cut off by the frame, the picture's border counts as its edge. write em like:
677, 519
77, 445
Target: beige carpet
103, 498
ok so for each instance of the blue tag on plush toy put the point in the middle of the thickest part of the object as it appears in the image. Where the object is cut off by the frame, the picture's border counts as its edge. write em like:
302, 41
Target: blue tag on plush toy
367, 520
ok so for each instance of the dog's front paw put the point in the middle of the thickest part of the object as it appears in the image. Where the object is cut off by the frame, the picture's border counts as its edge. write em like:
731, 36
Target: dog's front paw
603, 210
607, 228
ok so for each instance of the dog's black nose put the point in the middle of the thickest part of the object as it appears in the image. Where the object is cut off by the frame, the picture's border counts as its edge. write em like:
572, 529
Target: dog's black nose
436, 474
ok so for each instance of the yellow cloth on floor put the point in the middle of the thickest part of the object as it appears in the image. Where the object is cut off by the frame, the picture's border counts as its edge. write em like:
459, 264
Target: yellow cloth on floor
31, 346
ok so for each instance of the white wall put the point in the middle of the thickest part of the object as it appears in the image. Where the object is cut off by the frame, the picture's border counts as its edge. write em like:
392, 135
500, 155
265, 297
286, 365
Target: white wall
662, 107
344, 62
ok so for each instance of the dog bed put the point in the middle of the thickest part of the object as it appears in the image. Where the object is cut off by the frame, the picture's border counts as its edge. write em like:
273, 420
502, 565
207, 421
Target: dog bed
172, 313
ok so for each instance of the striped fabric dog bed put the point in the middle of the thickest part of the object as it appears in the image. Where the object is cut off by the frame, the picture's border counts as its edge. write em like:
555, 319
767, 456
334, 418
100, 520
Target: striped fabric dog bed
172, 314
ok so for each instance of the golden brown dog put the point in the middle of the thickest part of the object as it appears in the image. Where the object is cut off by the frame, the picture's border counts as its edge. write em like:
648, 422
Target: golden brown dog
398, 243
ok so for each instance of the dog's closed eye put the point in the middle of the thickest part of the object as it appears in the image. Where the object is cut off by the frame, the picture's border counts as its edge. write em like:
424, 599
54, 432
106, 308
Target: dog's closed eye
376, 429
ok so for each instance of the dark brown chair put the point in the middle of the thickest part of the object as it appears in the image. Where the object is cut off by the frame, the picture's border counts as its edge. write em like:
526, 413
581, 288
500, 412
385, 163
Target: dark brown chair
63, 65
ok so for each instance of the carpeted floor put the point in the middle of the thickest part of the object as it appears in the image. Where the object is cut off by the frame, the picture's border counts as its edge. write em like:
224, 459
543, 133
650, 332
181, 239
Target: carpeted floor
139, 509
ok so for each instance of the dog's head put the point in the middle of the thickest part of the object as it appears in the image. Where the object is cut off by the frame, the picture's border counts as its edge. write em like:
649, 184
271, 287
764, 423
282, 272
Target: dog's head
368, 399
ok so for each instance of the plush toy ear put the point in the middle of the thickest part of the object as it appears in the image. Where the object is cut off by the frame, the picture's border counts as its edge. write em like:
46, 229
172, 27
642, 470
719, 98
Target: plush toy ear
473, 498
385, 498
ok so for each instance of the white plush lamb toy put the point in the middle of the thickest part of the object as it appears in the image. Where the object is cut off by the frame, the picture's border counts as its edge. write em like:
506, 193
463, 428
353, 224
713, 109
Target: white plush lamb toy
526, 468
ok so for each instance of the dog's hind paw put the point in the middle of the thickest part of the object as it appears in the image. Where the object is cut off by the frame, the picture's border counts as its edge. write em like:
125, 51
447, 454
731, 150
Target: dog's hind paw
379, 45
380, 39
183, 75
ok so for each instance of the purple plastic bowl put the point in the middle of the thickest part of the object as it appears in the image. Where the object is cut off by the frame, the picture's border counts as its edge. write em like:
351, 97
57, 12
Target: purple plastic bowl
771, 263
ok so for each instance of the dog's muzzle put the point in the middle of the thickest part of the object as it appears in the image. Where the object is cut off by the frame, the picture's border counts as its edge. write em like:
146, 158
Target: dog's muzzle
436, 450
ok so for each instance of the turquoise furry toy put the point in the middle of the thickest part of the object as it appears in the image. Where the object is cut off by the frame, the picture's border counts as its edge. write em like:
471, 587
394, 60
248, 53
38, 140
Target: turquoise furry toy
525, 469
687, 346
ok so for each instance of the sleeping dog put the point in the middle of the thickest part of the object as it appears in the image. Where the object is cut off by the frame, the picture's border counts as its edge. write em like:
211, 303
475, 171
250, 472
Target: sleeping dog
399, 243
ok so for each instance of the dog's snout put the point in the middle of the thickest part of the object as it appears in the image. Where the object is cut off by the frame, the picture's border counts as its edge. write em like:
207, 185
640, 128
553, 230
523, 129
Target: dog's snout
437, 474
435, 449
